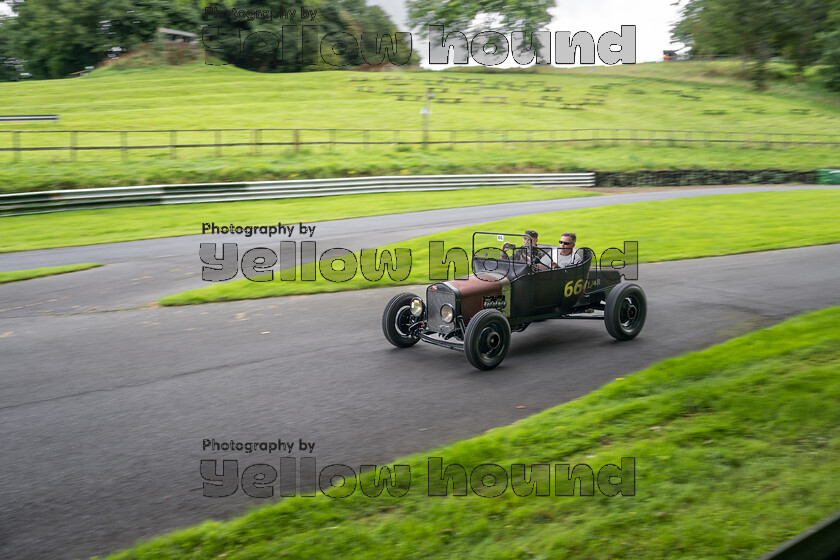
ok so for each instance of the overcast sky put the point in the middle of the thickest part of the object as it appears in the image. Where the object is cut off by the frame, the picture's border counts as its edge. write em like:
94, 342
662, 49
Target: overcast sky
652, 18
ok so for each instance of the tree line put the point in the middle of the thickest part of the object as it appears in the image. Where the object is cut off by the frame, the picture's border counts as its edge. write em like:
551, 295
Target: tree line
55, 38
803, 32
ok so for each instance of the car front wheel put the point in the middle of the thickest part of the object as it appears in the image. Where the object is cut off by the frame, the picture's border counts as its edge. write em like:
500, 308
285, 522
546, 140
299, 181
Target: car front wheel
487, 339
396, 319
625, 311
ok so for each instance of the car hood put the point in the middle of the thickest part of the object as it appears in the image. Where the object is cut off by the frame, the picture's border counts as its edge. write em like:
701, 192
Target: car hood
481, 284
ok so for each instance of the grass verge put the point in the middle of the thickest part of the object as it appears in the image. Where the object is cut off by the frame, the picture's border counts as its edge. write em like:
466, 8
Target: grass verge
316, 163
111, 225
665, 230
18, 275
734, 448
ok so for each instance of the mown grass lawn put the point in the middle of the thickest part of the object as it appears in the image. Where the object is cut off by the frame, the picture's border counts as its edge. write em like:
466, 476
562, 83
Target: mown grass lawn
664, 230
111, 225
734, 450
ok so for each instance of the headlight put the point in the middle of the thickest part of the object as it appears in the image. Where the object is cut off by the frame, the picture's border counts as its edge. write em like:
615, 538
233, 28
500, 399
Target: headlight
417, 307
447, 313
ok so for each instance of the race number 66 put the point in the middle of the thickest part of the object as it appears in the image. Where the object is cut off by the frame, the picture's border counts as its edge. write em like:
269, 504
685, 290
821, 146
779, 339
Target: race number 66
573, 287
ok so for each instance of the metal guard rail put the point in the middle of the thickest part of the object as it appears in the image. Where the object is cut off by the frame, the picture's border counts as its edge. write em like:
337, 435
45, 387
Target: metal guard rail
76, 199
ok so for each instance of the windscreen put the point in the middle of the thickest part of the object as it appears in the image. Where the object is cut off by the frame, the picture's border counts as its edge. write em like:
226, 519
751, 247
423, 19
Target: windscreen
495, 252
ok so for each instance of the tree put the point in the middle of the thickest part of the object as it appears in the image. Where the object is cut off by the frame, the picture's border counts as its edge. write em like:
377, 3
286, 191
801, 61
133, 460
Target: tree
137, 21
706, 27
748, 28
56, 38
9, 64
829, 41
342, 35
469, 15
799, 30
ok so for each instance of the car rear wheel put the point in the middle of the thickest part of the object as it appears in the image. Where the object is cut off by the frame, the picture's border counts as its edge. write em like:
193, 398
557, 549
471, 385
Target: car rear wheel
487, 339
396, 319
625, 311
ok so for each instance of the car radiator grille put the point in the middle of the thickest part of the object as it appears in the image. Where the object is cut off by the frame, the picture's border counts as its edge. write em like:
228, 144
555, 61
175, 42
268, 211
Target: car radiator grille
434, 300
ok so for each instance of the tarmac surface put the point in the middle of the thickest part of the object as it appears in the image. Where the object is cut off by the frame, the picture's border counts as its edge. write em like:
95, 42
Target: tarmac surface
106, 399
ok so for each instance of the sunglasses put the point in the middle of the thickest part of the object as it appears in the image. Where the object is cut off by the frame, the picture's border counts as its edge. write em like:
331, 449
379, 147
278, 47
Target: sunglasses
566, 242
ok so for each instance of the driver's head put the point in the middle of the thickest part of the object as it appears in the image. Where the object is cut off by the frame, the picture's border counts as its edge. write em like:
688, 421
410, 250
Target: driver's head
567, 243
532, 237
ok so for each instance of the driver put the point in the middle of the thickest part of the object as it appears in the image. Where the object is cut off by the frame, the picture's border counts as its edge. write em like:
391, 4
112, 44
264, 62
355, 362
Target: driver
568, 255
508, 249
539, 259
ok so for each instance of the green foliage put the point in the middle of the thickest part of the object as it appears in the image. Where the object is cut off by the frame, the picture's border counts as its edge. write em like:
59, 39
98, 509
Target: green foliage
799, 28
830, 42
756, 30
140, 19
54, 38
472, 15
10, 66
693, 177
285, 44
708, 28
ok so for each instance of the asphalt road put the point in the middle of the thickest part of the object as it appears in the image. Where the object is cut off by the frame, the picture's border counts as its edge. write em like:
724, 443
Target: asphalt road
105, 401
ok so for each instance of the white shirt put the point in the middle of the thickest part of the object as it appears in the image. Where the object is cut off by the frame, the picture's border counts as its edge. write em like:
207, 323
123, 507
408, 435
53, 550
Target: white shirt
575, 257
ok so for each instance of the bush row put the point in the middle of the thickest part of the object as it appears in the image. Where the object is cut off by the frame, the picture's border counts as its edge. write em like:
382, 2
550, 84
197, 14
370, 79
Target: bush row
687, 177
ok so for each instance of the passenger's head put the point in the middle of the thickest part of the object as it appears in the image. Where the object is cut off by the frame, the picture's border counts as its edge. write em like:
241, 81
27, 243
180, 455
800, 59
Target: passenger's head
567, 243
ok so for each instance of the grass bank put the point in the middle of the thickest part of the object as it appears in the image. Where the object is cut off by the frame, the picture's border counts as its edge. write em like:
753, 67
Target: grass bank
665, 230
671, 97
732, 448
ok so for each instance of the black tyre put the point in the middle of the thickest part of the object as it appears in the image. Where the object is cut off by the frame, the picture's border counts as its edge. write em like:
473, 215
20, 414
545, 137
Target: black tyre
625, 311
395, 321
487, 340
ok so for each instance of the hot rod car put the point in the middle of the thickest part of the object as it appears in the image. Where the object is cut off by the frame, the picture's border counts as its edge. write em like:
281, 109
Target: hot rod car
507, 291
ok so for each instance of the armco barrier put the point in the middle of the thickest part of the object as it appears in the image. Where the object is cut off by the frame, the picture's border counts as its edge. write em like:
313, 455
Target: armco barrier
27, 118
54, 201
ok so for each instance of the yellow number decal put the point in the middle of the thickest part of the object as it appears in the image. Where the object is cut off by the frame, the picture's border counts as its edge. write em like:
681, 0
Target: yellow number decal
573, 287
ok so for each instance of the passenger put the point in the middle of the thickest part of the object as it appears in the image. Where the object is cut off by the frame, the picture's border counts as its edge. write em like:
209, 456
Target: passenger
568, 255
